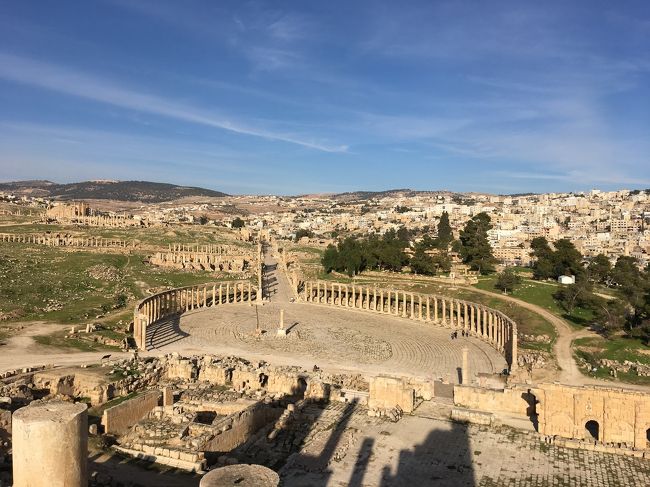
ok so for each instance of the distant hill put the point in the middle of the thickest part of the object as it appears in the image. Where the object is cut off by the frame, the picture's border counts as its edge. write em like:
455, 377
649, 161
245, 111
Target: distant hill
144, 191
366, 195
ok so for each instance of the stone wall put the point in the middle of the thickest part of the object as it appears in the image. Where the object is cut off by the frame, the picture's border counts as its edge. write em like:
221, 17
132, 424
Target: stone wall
618, 416
511, 400
118, 419
474, 319
237, 428
388, 392
611, 416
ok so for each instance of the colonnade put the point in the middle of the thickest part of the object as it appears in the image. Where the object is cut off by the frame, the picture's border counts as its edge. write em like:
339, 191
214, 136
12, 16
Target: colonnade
98, 221
476, 320
180, 300
206, 249
200, 260
66, 240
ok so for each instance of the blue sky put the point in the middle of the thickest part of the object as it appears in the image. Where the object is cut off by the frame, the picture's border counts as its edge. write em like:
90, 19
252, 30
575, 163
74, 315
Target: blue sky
299, 97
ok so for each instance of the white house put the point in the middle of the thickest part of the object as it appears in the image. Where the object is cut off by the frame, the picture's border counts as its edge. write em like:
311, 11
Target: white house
566, 279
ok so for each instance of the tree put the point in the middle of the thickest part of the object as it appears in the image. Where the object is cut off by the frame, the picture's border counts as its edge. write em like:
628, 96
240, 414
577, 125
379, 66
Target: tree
599, 269
567, 260
507, 280
203, 219
422, 263
611, 314
543, 266
330, 258
303, 233
238, 223
476, 250
445, 233
578, 294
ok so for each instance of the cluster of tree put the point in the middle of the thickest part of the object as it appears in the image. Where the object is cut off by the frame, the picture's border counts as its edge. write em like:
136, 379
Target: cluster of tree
474, 247
629, 311
551, 264
238, 223
353, 255
303, 233
430, 255
402, 209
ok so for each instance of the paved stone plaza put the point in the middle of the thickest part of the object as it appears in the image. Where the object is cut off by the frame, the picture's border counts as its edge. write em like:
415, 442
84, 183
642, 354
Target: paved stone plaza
340, 339
370, 452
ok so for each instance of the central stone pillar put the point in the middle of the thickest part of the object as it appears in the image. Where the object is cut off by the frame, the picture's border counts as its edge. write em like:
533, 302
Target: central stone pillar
50, 445
281, 330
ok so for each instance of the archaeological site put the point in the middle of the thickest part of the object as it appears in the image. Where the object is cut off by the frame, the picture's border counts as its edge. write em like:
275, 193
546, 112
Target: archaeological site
272, 377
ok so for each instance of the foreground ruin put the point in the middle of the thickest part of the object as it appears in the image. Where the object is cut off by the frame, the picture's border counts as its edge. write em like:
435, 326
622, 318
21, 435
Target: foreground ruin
317, 428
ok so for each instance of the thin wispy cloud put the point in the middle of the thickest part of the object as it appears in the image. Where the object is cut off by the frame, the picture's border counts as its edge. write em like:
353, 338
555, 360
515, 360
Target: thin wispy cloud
537, 96
70, 82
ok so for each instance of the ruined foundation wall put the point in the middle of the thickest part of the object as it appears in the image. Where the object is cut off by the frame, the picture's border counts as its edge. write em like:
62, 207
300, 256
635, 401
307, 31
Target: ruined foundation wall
120, 418
238, 428
388, 392
512, 401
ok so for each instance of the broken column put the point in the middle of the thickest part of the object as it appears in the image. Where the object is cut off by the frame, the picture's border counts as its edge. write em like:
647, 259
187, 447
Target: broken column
281, 331
168, 396
464, 371
50, 445
241, 475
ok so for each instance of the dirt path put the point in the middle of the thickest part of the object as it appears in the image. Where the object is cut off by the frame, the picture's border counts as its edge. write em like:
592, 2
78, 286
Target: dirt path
569, 373
22, 351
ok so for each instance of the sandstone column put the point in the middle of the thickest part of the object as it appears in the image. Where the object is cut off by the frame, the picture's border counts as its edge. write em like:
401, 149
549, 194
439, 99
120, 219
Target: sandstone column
50, 445
465, 368
281, 331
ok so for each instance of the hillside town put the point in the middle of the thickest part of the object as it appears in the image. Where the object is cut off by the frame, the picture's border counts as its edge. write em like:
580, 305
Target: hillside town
612, 223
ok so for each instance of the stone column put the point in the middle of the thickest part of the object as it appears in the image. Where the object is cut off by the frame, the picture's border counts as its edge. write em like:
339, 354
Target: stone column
465, 317
428, 308
50, 445
281, 331
464, 371
412, 306
444, 311
435, 309
404, 304
485, 323
513, 347
168, 396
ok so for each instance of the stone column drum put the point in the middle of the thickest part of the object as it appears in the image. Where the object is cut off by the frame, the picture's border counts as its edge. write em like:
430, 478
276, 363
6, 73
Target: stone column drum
50, 445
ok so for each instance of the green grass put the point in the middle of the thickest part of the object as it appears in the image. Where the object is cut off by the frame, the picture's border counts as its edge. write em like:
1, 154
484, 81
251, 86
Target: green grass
528, 322
58, 340
541, 294
618, 348
98, 411
54, 284
162, 237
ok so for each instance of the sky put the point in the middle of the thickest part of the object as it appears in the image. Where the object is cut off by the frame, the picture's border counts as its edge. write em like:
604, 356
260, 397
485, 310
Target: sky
295, 97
